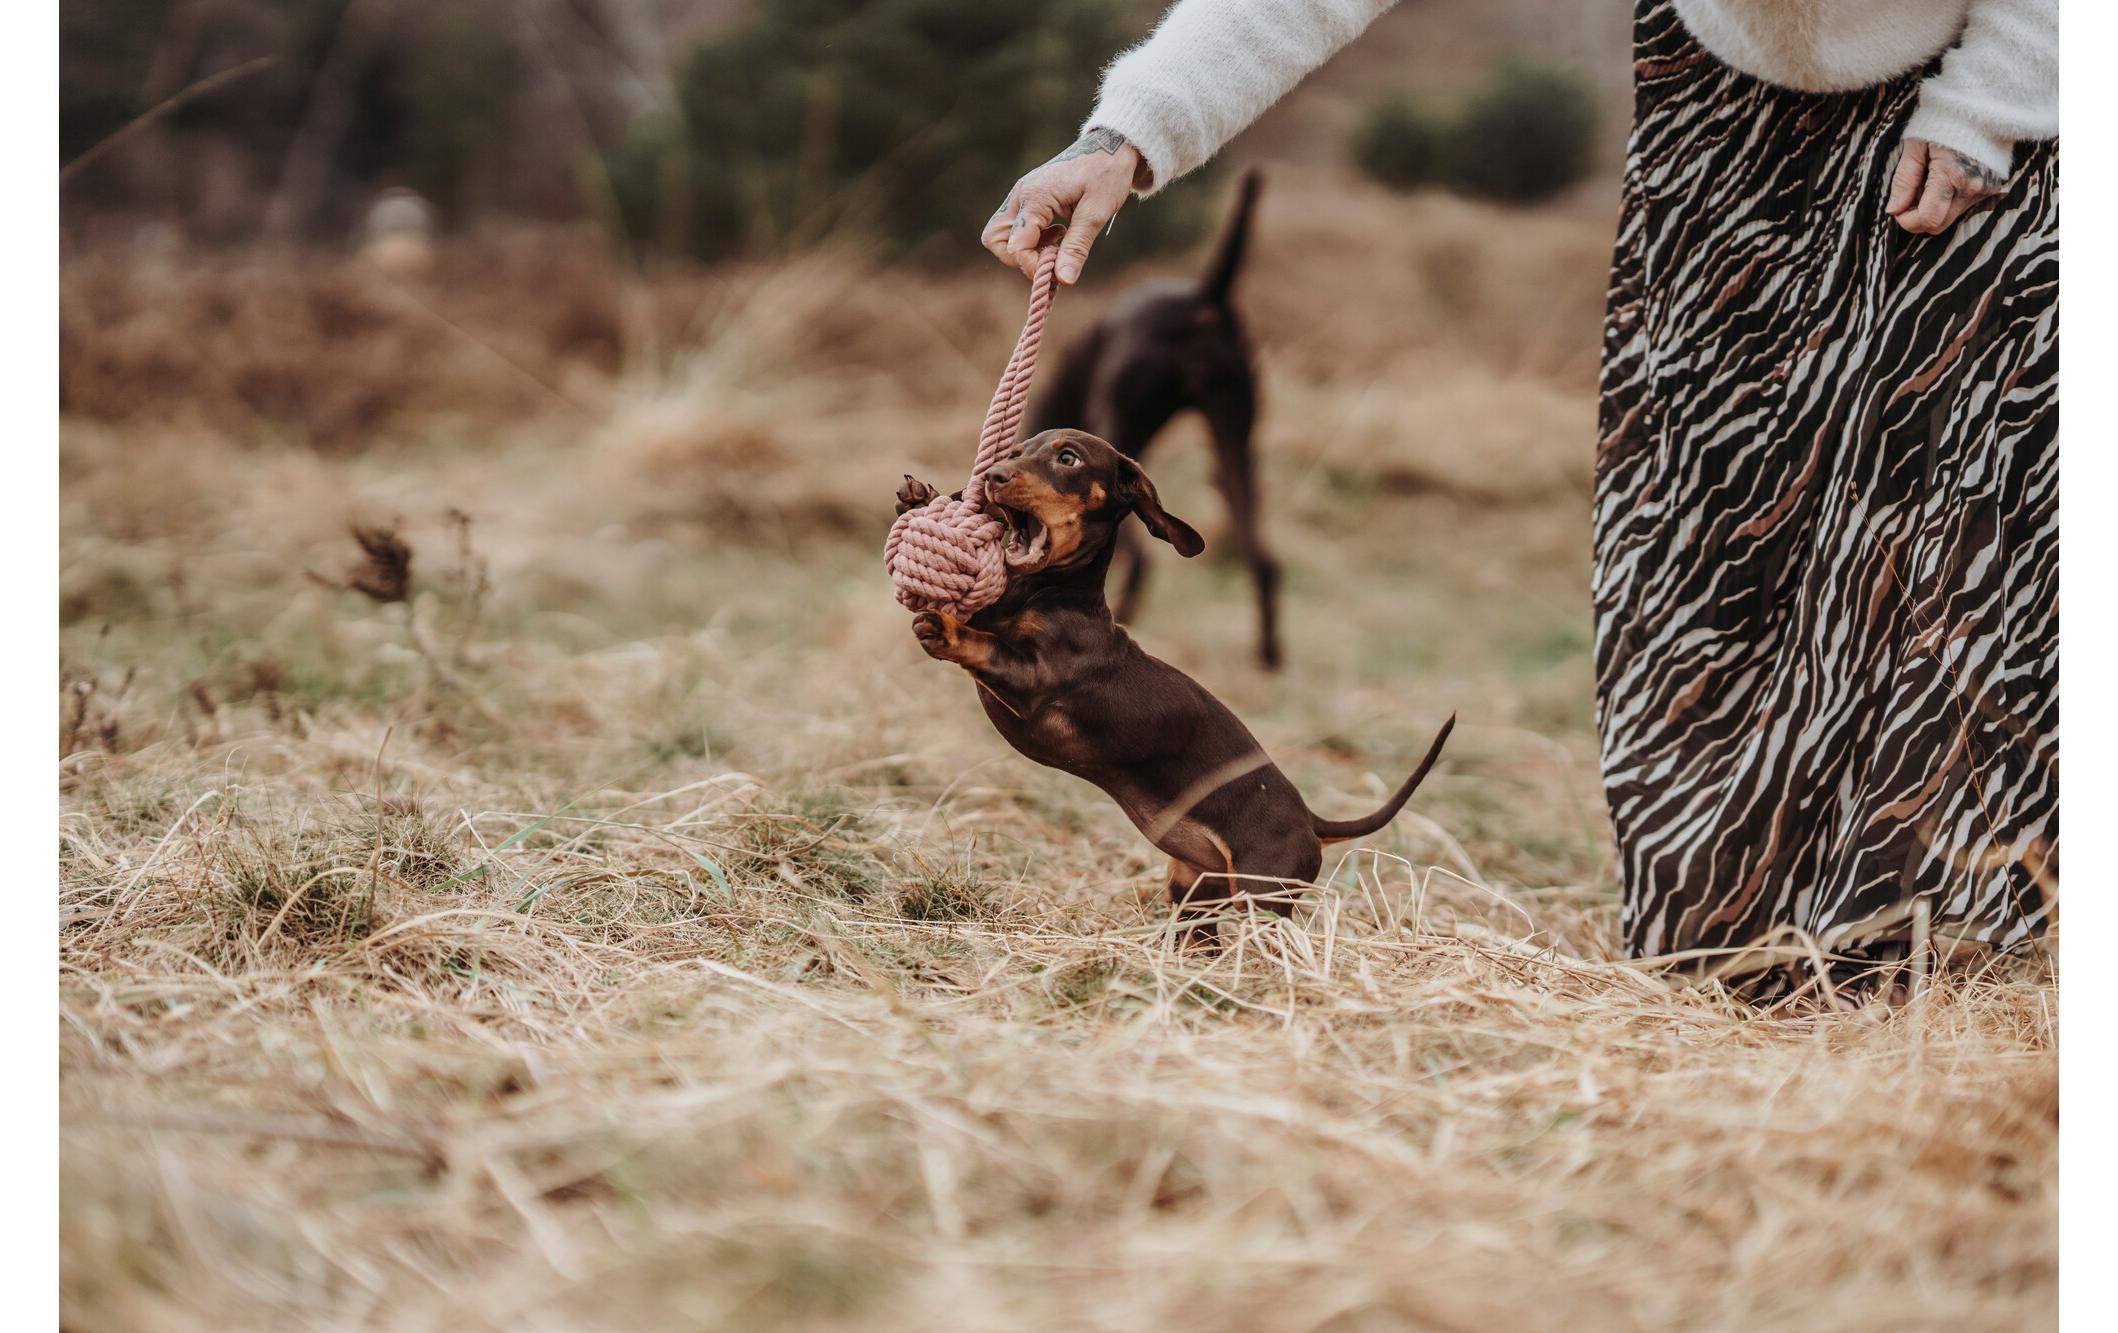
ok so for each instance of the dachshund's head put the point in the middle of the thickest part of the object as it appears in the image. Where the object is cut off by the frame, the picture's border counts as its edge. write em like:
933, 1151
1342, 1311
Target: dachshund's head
1063, 494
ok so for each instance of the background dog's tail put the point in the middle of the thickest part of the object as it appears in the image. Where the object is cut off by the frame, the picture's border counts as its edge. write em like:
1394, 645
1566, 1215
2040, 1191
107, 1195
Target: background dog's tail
1219, 279
1338, 830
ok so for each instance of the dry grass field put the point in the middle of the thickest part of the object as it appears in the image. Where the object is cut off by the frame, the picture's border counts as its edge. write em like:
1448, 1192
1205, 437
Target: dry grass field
631, 928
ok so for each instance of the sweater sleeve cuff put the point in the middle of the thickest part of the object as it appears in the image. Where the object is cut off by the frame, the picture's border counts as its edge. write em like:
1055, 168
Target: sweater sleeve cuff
1938, 122
1131, 116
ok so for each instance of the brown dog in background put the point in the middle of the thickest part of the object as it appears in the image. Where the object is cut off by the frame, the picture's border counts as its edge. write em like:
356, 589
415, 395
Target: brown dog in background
1068, 687
1165, 348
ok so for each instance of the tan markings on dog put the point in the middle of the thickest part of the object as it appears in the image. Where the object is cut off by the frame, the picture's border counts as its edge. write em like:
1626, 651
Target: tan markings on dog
968, 648
1096, 495
1197, 837
1197, 844
971, 650
1060, 514
1176, 832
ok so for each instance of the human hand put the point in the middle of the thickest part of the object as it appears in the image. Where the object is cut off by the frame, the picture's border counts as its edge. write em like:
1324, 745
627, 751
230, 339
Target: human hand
1934, 186
1081, 189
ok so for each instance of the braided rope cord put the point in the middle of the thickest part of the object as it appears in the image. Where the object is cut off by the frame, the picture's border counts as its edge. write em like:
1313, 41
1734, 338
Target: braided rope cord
946, 555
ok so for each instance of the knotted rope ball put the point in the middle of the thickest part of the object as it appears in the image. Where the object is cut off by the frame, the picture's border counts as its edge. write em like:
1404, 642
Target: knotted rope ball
947, 554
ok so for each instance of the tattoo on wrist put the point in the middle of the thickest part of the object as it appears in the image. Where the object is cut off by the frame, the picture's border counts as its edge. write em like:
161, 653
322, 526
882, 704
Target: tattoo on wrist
1098, 140
1981, 176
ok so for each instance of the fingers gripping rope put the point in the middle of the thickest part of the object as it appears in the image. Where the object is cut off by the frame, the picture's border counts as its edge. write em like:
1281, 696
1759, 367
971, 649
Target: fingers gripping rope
946, 555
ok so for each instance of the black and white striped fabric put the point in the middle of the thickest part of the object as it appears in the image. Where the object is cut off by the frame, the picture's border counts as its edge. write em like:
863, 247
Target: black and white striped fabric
1826, 526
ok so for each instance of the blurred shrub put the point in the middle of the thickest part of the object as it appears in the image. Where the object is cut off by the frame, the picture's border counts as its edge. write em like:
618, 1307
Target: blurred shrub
904, 118
1524, 134
1399, 142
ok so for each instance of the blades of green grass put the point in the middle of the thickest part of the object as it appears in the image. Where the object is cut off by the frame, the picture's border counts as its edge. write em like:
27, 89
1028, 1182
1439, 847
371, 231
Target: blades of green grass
517, 836
720, 876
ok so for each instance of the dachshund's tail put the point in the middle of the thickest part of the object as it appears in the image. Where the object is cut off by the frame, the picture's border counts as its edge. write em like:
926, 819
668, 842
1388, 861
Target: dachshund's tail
1338, 830
1219, 279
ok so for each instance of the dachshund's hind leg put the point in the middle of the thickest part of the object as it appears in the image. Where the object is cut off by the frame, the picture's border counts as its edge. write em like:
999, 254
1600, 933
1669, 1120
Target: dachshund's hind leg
1271, 871
1197, 904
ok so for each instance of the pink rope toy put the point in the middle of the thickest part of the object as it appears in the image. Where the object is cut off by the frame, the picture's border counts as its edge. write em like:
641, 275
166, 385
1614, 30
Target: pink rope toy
946, 555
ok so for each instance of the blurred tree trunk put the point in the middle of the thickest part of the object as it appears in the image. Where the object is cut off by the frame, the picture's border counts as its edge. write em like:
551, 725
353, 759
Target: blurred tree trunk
327, 117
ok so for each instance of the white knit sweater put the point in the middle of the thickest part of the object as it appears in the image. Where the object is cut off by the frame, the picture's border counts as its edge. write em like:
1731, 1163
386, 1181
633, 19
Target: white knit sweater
1213, 66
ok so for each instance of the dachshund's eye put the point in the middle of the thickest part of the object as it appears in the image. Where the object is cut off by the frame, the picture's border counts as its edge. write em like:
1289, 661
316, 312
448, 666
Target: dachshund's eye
1068, 458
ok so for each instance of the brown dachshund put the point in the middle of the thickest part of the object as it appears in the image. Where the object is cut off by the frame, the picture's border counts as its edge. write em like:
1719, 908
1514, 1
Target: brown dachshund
1167, 348
1070, 689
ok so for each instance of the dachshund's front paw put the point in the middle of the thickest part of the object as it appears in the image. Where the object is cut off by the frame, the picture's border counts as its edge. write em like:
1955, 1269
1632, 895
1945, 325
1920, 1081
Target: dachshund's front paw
936, 633
914, 494
951, 640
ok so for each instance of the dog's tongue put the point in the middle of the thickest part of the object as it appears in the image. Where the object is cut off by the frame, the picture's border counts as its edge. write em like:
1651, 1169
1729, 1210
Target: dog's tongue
1024, 542
1025, 551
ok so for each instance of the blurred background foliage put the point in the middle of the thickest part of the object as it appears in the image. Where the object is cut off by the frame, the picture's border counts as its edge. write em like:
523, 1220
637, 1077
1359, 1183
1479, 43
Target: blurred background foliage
714, 129
752, 129
288, 116
1525, 133
902, 117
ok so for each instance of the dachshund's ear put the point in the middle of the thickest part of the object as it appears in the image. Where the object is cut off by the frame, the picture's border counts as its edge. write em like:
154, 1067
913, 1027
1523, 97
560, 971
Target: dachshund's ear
1140, 493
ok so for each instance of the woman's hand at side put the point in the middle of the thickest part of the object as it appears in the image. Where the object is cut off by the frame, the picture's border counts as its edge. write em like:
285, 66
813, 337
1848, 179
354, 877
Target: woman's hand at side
1935, 185
1081, 189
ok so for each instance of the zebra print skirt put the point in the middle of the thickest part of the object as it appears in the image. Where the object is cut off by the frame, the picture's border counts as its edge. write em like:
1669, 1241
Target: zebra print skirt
1826, 527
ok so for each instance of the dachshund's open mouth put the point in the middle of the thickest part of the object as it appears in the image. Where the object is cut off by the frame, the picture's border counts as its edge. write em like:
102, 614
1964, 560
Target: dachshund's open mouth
1024, 543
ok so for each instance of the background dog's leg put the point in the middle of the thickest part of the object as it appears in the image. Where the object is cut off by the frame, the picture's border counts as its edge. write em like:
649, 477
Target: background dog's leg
1130, 427
1231, 411
1131, 563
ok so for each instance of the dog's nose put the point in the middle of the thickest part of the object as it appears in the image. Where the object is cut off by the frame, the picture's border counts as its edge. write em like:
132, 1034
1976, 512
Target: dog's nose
1000, 475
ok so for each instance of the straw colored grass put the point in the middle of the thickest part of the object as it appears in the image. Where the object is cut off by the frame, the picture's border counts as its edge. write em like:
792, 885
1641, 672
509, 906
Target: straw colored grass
631, 928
